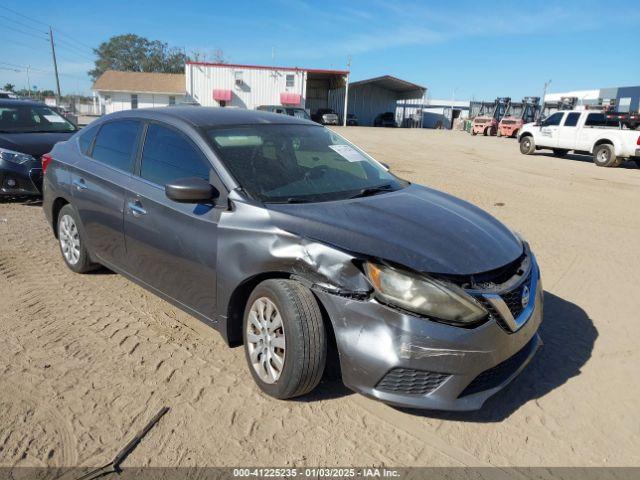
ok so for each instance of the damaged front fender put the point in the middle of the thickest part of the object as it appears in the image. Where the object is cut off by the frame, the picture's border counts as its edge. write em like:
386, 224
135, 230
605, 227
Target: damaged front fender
250, 247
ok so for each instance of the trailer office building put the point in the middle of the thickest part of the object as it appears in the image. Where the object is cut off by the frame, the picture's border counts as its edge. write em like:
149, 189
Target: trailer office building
249, 86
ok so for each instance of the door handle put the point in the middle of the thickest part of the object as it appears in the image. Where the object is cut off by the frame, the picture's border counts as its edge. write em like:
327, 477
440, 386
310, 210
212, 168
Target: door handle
136, 209
79, 184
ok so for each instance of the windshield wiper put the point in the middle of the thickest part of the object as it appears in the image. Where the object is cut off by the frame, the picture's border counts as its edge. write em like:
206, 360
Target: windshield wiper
289, 200
369, 191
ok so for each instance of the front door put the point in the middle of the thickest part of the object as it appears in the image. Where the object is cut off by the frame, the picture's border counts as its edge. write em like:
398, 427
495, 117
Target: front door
549, 131
568, 133
172, 246
98, 188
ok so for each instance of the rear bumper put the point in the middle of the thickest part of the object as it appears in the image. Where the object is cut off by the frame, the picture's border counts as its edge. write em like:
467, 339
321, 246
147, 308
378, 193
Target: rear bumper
412, 362
20, 180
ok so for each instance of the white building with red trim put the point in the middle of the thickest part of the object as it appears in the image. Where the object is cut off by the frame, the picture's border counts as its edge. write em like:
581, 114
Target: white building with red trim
250, 86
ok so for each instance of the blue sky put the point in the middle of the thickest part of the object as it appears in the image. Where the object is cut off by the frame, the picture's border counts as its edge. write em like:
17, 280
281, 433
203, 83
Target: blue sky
464, 49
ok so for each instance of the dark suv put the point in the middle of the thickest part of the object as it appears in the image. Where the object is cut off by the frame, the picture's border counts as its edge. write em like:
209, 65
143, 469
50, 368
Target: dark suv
27, 130
290, 240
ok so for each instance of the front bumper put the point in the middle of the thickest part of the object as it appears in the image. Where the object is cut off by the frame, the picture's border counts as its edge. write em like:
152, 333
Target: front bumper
412, 362
20, 180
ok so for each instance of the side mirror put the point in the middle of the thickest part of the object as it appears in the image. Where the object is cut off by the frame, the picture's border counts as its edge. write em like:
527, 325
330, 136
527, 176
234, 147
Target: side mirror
190, 190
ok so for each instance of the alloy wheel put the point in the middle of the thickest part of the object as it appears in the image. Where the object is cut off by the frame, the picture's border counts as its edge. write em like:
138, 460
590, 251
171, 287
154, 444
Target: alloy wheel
266, 340
69, 239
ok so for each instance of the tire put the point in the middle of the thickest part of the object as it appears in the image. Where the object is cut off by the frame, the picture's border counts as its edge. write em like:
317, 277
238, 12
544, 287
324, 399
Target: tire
527, 145
498, 133
473, 132
560, 152
637, 160
72, 246
605, 156
297, 366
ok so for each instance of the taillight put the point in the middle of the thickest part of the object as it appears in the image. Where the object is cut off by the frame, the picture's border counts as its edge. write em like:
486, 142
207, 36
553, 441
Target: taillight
638, 142
46, 160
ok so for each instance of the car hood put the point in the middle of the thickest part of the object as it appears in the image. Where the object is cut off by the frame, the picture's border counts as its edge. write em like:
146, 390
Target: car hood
420, 228
35, 144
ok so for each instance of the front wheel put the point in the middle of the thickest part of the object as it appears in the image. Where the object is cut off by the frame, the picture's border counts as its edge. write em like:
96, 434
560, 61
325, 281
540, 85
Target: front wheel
284, 338
527, 146
605, 156
72, 245
498, 133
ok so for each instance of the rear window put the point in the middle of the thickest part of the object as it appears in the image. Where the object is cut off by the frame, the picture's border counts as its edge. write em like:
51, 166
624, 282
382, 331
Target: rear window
599, 120
86, 138
116, 144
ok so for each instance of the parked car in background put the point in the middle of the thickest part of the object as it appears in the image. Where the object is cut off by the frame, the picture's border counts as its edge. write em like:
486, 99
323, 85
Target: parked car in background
352, 120
287, 238
28, 130
326, 116
387, 119
292, 111
588, 132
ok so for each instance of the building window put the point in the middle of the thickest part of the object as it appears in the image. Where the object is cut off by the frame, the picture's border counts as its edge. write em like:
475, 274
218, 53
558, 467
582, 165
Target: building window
291, 80
134, 101
238, 78
172, 100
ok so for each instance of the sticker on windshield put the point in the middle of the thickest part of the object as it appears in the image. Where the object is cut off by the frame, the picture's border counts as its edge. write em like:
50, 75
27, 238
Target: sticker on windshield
348, 152
55, 119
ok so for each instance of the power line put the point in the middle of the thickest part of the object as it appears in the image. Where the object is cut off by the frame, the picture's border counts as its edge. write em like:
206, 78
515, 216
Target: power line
21, 23
24, 16
30, 34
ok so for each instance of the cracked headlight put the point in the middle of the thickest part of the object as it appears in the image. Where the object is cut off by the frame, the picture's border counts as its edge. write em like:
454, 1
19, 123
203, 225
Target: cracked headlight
423, 295
15, 157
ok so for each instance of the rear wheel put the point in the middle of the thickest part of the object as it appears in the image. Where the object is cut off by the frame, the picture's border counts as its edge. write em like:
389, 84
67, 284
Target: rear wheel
284, 338
527, 146
72, 245
605, 156
560, 152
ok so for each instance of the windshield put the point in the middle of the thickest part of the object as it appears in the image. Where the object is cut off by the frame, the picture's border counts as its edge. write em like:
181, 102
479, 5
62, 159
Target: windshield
32, 118
299, 163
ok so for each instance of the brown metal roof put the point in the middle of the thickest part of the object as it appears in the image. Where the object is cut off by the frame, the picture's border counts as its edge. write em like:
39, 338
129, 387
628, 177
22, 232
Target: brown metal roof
144, 82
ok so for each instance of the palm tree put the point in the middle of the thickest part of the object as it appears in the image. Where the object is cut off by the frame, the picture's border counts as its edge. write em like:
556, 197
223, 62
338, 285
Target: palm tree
9, 87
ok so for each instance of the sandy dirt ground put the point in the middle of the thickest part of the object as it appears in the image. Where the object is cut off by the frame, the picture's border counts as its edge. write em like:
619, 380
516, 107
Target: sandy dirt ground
86, 360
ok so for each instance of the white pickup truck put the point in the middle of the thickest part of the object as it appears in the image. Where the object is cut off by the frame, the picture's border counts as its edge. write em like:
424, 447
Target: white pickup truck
589, 132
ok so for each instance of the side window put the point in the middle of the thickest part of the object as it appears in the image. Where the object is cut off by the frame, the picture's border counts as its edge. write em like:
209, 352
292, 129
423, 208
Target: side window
572, 120
599, 120
86, 138
116, 144
168, 156
553, 120
291, 80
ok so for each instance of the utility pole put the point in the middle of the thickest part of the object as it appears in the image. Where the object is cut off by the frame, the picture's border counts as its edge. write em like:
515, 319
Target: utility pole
346, 94
55, 65
28, 81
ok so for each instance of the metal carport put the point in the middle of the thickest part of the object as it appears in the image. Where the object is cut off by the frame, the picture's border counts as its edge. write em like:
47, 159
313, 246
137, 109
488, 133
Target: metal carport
368, 98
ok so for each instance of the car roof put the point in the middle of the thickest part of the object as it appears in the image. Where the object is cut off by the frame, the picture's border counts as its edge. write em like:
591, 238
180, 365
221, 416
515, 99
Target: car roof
212, 116
7, 102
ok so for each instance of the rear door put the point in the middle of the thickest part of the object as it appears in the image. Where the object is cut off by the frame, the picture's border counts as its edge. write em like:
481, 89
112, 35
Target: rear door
98, 188
172, 246
568, 132
549, 131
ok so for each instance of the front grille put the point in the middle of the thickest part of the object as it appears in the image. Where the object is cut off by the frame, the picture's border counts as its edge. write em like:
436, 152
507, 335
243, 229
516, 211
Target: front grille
513, 299
411, 382
35, 174
499, 374
493, 314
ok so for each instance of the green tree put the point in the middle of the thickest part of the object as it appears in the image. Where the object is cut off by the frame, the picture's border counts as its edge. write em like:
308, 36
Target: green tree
133, 53
9, 87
